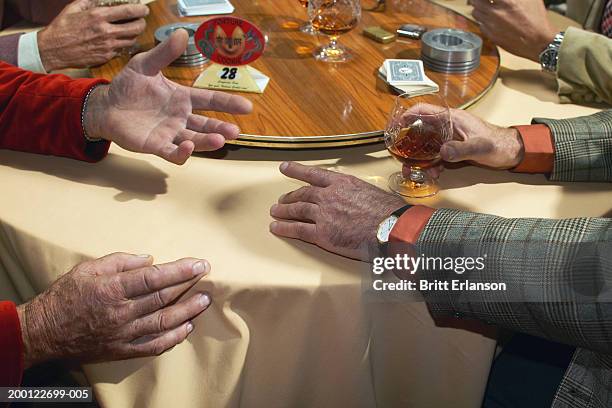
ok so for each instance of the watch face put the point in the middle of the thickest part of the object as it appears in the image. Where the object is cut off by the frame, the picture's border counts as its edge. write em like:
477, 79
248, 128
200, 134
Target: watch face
384, 229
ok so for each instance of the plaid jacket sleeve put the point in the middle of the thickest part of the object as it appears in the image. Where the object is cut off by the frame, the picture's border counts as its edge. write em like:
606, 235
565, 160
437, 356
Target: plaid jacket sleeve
583, 147
549, 295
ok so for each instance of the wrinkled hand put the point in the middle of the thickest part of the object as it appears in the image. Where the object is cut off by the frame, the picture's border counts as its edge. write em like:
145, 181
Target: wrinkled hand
142, 111
518, 26
83, 35
113, 308
480, 143
337, 212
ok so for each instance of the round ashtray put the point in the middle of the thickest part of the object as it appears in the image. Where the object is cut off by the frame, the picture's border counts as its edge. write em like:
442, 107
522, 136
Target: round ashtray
451, 50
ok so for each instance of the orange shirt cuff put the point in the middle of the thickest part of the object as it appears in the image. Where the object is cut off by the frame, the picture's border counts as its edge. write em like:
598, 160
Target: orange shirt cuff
539, 154
410, 225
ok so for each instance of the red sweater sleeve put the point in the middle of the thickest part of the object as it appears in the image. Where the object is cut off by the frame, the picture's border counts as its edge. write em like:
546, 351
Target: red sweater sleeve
11, 346
42, 114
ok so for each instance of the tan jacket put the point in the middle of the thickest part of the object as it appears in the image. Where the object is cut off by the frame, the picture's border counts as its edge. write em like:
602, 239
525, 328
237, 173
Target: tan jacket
586, 12
585, 60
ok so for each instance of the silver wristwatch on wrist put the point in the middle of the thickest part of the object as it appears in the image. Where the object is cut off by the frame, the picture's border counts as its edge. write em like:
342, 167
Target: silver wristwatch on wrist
550, 56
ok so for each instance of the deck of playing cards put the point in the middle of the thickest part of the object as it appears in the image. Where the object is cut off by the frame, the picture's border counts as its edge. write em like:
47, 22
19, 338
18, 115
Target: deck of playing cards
407, 76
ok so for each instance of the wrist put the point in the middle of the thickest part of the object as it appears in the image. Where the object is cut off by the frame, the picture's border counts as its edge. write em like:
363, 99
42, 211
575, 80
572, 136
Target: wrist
515, 146
94, 108
47, 56
35, 336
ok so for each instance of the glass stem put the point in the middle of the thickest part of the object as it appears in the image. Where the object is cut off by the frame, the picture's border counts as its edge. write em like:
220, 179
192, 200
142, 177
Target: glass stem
333, 42
417, 175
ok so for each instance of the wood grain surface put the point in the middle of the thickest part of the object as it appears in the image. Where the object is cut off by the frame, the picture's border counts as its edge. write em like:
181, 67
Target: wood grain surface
315, 104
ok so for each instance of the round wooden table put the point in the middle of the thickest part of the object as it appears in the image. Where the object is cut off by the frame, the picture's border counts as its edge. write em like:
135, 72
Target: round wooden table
315, 104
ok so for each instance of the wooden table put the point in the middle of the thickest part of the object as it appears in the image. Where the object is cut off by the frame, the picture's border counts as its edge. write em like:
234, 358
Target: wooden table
315, 104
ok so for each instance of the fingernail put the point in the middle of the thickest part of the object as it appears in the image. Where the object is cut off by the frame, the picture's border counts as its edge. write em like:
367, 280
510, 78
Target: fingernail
189, 327
273, 226
200, 267
144, 256
284, 166
273, 208
204, 300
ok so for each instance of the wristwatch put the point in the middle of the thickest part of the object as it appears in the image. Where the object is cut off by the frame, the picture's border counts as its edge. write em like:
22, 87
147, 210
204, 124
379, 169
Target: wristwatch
386, 226
550, 56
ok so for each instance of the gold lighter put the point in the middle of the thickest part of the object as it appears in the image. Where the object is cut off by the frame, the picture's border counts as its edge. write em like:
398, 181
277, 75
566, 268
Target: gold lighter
378, 34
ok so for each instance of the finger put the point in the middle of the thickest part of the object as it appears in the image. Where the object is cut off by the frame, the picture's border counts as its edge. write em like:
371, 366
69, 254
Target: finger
123, 12
120, 262
203, 124
170, 317
201, 142
150, 63
297, 211
472, 149
310, 174
121, 43
128, 30
177, 154
220, 101
307, 194
151, 279
296, 230
143, 305
157, 345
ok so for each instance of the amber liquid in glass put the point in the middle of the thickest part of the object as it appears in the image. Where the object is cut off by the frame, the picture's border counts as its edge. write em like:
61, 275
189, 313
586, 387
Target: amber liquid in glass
417, 147
334, 20
333, 26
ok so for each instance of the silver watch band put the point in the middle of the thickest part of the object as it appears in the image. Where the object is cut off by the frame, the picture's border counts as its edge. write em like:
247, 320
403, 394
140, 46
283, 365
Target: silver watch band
549, 58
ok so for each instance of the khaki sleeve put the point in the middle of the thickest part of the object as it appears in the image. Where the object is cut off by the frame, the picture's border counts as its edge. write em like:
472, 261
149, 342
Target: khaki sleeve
585, 67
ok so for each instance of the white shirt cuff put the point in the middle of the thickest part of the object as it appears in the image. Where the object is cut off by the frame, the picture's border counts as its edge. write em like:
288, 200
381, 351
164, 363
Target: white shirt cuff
28, 55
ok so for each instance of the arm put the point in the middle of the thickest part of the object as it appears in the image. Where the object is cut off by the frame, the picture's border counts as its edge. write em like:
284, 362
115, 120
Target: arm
42, 114
9, 45
548, 304
11, 346
577, 149
585, 67
39, 11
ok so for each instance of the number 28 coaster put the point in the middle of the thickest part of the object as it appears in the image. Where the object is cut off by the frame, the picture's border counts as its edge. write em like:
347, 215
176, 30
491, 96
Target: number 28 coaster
231, 44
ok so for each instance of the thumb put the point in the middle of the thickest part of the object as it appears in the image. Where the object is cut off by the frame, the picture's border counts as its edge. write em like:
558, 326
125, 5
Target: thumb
153, 61
471, 149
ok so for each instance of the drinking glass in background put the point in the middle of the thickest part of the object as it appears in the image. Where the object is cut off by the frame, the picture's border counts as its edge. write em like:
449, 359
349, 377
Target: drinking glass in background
307, 28
416, 130
334, 18
128, 51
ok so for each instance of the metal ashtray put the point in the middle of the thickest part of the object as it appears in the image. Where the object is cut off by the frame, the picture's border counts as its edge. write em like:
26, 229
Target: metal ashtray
451, 51
191, 57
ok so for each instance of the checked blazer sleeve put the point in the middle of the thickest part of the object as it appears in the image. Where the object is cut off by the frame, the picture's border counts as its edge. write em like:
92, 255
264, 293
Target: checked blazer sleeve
546, 295
583, 147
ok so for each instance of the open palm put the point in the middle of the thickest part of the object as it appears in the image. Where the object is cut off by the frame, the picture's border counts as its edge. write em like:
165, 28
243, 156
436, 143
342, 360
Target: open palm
144, 112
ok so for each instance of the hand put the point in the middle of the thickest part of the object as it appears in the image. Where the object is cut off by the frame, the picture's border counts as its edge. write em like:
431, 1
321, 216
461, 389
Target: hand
337, 212
83, 35
518, 26
144, 112
113, 308
480, 143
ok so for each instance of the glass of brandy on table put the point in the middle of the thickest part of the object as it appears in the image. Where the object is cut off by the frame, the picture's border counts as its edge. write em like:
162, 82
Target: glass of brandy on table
416, 130
334, 18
